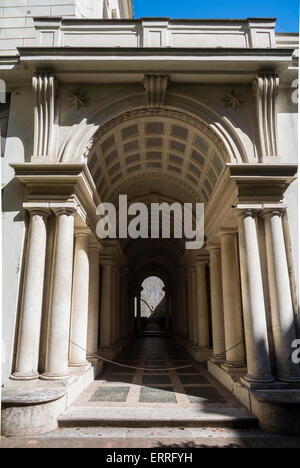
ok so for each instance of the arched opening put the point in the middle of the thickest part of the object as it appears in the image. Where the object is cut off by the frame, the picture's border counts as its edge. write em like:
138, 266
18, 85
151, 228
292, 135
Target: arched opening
155, 314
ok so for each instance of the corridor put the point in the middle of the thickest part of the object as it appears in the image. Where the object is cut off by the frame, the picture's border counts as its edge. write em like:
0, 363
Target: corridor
166, 377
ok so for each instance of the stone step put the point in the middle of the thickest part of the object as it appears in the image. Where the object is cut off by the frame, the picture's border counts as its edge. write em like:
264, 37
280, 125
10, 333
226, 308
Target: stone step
157, 417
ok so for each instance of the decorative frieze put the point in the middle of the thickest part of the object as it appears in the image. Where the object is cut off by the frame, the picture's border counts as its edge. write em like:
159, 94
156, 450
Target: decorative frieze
44, 111
266, 91
156, 88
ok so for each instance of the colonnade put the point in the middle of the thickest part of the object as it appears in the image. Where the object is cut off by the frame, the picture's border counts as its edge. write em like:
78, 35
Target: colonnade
238, 300
74, 322
85, 318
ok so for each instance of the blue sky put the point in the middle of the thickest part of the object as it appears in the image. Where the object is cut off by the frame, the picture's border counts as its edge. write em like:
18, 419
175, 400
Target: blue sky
287, 11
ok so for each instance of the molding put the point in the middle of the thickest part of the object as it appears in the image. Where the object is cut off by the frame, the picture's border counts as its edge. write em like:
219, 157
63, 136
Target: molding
44, 110
262, 183
266, 88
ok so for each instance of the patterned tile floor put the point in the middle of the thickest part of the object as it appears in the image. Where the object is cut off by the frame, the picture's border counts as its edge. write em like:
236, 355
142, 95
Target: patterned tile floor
158, 384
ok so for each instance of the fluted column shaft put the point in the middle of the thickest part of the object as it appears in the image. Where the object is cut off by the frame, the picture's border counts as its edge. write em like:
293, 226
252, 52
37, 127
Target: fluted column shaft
283, 324
60, 312
114, 306
106, 309
255, 324
31, 314
93, 318
234, 333
202, 305
217, 311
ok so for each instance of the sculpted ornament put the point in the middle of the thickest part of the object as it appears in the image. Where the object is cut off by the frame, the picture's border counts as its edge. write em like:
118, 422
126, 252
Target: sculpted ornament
233, 100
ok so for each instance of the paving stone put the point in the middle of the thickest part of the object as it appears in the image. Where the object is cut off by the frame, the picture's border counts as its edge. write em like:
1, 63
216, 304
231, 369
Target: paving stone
203, 395
193, 379
157, 395
110, 394
156, 379
115, 378
189, 370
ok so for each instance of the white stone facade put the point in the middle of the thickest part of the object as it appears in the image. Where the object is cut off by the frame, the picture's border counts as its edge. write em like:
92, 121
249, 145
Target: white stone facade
101, 104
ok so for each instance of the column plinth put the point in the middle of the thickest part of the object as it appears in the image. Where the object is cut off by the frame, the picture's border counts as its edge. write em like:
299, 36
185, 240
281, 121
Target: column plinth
283, 325
31, 313
60, 312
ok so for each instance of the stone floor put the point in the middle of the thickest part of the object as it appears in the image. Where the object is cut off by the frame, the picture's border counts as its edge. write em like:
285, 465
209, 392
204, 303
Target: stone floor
160, 375
164, 386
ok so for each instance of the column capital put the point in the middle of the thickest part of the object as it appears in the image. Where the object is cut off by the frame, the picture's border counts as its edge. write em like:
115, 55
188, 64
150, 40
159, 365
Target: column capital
269, 213
246, 213
64, 210
201, 263
228, 232
213, 246
41, 209
83, 232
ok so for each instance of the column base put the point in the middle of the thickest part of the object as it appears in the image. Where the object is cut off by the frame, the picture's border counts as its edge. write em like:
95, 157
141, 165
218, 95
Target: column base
53, 377
288, 379
218, 358
25, 377
260, 382
85, 364
234, 367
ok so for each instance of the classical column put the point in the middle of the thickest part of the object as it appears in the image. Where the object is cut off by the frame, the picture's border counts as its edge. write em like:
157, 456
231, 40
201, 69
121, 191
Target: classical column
32, 301
124, 305
184, 307
217, 311
202, 305
93, 317
194, 308
106, 309
167, 302
234, 334
280, 297
114, 323
139, 318
59, 319
118, 307
255, 325
80, 300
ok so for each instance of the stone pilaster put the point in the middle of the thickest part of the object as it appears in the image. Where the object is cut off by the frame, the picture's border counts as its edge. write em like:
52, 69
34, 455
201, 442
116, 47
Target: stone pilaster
80, 300
234, 333
94, 284
202, 319
217, 310
106, 309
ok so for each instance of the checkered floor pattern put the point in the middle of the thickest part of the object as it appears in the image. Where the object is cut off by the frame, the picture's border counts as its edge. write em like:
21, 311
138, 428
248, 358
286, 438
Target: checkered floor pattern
187, 387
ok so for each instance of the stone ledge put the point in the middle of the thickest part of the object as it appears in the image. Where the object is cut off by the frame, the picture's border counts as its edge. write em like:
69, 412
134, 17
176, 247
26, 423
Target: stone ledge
277, 408
32, 408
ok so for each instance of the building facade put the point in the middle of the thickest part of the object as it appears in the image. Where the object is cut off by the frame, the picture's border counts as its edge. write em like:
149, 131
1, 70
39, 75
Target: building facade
99, 104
